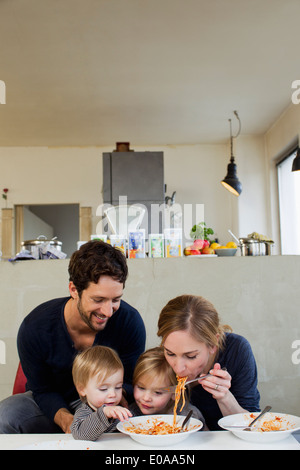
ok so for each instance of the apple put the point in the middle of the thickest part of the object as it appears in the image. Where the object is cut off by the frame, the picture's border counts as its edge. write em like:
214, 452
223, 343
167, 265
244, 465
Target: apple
205, 243
187, 251
198, 244
195, 252
207, 251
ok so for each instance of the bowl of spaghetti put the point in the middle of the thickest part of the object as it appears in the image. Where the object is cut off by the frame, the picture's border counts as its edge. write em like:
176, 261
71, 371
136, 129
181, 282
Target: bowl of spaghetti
158, 430
270, 428
162, 430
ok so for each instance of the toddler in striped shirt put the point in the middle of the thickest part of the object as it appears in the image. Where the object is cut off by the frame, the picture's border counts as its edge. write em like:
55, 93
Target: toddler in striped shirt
98, 377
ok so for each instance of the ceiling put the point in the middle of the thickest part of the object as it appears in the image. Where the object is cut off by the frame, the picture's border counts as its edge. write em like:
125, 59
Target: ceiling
151, 72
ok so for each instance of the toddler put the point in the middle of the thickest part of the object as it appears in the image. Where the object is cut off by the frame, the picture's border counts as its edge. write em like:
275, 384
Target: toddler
152, 372
98, 377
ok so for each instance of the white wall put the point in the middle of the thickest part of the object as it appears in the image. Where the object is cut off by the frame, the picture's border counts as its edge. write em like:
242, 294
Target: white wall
45, 175
34, 225
253, 202
41, 175
282, 136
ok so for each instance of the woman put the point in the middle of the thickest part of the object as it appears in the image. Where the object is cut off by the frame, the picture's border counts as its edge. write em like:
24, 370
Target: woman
195, 343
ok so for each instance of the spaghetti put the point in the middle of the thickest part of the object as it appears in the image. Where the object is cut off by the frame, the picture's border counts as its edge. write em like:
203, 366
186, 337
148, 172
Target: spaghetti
161, 427
157, 427
179, 392
276, 424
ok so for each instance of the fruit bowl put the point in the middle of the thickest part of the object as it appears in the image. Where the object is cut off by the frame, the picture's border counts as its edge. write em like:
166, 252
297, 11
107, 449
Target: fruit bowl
226, 251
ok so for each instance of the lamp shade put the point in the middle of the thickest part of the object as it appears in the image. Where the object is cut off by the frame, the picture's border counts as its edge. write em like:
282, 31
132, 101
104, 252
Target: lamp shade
296, 162
231, 181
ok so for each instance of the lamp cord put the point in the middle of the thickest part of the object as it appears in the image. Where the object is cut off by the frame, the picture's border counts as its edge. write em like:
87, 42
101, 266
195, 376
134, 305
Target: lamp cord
240, 125
231, 136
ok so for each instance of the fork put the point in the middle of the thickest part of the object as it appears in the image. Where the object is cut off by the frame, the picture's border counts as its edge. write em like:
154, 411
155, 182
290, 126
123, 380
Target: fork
186, 420
172, 388
249, 427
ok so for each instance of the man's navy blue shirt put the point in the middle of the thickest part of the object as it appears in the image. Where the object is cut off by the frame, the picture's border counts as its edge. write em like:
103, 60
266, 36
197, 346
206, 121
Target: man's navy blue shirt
47, 352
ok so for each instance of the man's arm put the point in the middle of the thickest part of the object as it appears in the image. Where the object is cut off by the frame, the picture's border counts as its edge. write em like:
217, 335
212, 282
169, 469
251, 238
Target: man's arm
39, 375
63, 418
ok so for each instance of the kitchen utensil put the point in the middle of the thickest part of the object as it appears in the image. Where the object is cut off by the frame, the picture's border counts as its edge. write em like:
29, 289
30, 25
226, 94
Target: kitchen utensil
268, 248
233, 236
248, 428
186, 420
172, 388
249, 247
32, 245
253, 247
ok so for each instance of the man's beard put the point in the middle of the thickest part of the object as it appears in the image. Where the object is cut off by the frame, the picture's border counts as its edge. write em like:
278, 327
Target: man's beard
87, 320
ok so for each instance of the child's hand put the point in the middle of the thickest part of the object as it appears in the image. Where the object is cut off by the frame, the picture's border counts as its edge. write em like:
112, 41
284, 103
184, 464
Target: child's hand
117, 412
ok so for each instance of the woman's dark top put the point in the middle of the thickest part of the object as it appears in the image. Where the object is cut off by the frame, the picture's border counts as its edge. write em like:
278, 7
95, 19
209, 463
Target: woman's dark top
238, 358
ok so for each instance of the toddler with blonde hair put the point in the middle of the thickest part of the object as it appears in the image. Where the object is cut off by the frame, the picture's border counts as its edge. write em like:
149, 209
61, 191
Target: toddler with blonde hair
98, 377
152, 373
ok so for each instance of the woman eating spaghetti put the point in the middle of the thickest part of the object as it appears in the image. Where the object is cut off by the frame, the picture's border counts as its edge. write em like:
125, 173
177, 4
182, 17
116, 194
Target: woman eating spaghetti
196, 344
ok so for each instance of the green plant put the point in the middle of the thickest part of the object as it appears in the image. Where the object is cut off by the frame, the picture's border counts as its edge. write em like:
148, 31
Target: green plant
4, 194
200, 231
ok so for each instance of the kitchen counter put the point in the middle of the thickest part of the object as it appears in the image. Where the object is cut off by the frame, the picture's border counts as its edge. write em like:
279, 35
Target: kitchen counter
258, 297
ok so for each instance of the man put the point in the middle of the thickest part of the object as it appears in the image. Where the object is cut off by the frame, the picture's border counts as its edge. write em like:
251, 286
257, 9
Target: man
54, 332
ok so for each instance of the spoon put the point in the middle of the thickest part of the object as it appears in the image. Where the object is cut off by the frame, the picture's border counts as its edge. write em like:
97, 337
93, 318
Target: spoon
248, 428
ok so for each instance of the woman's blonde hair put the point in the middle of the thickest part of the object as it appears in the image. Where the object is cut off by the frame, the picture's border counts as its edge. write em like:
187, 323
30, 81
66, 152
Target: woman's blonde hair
96, 360
154, 364
195, 315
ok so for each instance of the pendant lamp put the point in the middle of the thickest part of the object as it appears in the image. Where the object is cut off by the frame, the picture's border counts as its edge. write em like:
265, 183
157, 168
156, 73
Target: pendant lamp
231, 181
296, 161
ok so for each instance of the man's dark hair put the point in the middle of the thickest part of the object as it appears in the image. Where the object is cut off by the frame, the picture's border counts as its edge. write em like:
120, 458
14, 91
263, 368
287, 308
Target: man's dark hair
94, 259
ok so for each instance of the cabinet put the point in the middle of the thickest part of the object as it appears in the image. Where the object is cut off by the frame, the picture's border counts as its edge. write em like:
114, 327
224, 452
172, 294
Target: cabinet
137, 177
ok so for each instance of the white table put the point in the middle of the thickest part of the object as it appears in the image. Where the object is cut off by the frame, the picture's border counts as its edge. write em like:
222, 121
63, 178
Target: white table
205, 440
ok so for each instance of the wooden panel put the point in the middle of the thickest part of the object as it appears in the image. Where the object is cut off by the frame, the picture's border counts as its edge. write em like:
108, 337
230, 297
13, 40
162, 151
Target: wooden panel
85, 223
7, 232
19, 214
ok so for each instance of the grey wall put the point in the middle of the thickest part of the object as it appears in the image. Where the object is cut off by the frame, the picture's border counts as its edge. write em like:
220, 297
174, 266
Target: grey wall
258, 297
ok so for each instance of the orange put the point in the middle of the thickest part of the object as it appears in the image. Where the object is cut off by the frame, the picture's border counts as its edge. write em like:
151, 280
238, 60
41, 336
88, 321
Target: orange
215, 246
231, 245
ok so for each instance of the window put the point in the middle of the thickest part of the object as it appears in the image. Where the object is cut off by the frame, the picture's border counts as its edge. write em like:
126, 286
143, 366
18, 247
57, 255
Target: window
289, 206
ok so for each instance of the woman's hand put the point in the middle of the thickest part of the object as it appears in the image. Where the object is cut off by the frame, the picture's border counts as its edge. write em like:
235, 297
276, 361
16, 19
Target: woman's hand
117, 412
218, 383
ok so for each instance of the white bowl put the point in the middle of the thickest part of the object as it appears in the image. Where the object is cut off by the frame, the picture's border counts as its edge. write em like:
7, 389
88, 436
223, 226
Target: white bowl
289, 424
158, 440
225, 251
